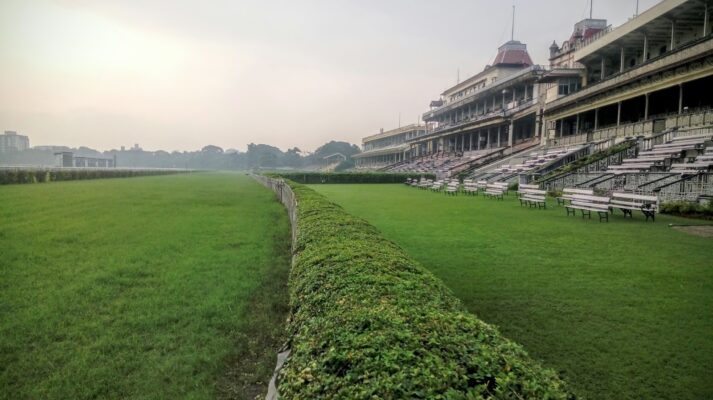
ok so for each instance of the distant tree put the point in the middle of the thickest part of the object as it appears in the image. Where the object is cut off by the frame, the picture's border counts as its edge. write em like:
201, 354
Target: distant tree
212, 149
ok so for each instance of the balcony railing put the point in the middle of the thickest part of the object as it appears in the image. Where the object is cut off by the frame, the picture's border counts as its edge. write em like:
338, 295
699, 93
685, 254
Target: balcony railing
593, 38
681, 54
467, 99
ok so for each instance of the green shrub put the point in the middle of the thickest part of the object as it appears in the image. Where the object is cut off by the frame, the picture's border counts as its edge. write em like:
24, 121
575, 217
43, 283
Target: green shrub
347, 177
513, 187
37, 175
686, 208
367, 321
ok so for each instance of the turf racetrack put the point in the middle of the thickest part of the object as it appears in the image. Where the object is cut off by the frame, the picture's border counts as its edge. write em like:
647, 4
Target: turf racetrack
624, 310
157, 287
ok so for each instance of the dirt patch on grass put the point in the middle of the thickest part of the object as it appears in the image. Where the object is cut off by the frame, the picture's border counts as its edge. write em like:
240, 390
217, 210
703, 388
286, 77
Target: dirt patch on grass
703, 230
250, 368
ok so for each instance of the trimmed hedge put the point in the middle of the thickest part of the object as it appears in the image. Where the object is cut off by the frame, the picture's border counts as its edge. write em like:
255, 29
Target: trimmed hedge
347, 177
13, 176
367, 321
687, 209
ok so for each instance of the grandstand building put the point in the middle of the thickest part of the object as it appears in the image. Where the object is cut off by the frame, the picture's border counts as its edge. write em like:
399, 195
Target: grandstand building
650, 74
387, 148
630, 104
493, 109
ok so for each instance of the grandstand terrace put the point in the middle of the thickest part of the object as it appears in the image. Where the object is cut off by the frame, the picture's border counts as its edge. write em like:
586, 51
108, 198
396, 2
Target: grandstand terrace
650, 74
495, 108
387, 148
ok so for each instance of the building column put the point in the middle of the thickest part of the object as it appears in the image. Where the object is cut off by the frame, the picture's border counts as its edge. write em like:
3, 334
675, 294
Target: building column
645, 54
503, 100
480, 139
499, 126
596, 118
646, 107
603, 74
618, 113
673, 34
622, 59
705, 19
470, 145
576, 126
680, 98
511, 131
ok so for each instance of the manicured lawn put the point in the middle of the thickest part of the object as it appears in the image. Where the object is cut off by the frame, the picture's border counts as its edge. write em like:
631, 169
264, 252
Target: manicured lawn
146, 288
623, 310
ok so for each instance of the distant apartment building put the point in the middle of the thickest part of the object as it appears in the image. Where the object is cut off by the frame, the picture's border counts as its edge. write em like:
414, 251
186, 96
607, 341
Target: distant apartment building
386, 148
67, 159
653, 73
11, 141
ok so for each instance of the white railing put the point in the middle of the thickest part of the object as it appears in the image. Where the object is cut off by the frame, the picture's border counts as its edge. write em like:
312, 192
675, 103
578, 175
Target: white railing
687, 190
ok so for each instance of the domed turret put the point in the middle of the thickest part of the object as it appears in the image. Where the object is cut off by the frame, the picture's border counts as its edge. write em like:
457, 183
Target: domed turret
513, 54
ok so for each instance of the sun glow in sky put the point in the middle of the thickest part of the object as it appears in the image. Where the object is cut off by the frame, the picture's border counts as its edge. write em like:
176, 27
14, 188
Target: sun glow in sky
178, 75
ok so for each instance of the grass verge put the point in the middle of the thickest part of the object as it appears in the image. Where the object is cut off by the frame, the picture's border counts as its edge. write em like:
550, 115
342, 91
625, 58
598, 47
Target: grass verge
620, 309
147, 287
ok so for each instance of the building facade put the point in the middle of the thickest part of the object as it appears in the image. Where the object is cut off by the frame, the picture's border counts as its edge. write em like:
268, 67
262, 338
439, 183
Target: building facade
67, 159
652, 73
493, 109
386, 148
11, 141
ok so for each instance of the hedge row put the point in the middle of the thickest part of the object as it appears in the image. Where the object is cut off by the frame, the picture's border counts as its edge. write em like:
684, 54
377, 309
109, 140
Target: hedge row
347, 177
10, 176
367, 321
687, 209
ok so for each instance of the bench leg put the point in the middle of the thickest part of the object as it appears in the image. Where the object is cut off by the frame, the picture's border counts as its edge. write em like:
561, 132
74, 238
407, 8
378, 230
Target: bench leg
571, 210
606, 215
650, 214
588, 214
627, 212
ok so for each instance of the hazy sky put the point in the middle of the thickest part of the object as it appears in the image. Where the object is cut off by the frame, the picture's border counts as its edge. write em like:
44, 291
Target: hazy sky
178, 75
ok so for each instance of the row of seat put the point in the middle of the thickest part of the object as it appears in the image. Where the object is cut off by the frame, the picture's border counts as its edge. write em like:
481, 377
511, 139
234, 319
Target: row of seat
573, 199
661, 157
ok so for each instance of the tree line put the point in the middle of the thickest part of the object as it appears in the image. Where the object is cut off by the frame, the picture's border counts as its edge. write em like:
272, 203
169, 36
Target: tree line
209, 157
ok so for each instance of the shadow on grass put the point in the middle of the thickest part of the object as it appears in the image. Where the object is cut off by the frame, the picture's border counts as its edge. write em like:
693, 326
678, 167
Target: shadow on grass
250, 368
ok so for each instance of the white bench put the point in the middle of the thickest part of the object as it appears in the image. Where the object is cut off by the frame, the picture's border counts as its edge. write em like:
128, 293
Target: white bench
470, 187
532, 196
452, 188
425, 184
587, 204
482, 185
629, 202
437, 186
567, 194
495, 190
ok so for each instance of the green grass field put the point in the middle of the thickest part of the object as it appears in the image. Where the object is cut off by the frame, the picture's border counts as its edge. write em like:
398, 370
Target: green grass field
158, 287
622, 309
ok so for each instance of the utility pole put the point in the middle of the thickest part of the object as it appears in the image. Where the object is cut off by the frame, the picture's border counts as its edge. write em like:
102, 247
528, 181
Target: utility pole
591, 8
637, 8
